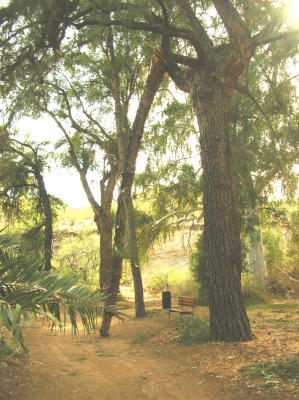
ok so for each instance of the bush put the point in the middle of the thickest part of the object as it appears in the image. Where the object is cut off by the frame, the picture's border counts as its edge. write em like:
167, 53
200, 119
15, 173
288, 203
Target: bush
178, 281
198, 271
192, 330
274, 252
80, 254
158, 281
253, 294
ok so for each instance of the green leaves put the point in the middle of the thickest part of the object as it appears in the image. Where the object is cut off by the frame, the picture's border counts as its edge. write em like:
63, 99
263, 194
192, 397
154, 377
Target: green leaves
25, 289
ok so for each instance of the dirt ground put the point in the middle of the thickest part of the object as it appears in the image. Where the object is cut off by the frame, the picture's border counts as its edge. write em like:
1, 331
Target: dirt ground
89, 367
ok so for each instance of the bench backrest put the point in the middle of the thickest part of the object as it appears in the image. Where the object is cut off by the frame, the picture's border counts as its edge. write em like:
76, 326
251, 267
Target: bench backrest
186, 301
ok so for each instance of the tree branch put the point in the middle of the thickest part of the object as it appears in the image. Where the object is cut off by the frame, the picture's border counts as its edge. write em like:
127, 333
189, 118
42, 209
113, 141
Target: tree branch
235, 27
94, 204
258, 41
173, 213
75, 125
201, 40
179, 76
245, 91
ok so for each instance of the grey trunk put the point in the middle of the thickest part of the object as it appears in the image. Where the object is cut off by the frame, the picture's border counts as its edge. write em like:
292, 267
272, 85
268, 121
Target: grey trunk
255, 256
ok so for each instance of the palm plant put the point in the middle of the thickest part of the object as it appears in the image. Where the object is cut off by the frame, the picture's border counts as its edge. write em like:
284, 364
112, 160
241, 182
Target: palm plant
25, 289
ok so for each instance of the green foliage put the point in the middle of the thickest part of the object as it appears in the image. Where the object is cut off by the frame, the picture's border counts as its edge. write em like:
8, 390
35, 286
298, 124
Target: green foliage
274, 249
8, 349
79, 253
22, 166
269, 370
176, 280
263, 123
192, 330
293, 243
281, 243
25, 289
253, 295
173, 186
199, 272
172, 131
158, 281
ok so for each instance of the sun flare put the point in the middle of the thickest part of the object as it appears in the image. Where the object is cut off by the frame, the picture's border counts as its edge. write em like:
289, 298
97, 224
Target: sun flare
294, 11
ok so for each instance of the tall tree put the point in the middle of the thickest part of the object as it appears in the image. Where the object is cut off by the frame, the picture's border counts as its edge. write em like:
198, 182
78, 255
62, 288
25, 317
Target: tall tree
263, 132
80, 115
130, 138
211, 44
22, 166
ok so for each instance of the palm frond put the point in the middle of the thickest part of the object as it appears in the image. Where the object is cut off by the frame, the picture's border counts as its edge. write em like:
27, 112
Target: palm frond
24, 289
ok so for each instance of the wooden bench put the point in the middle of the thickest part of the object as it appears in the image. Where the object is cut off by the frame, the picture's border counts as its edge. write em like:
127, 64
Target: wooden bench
184, 301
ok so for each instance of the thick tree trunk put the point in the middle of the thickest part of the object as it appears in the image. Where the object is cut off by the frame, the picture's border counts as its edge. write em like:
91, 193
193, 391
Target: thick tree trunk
48, 232
228, 319
255, 255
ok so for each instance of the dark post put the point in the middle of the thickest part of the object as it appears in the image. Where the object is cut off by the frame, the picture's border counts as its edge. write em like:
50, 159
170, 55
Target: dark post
166, 300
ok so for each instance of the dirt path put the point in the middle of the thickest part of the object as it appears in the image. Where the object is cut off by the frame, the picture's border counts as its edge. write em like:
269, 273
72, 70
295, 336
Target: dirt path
113, 368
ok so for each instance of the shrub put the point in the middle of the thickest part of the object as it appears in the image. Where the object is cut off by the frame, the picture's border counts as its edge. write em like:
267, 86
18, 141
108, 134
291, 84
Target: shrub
192, 330
178, 281
198, 271
274, 252
287, 369
159, 281
254, 294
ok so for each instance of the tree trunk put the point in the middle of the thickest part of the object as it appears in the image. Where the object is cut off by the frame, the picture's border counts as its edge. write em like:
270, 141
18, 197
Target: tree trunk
124, 213
106, 250
255, 255
135, 265
118, 251
228, 319
102, 214
138, 290
129, 168
48, 239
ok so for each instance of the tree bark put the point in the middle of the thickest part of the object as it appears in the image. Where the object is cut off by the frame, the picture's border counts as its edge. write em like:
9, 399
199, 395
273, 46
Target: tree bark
228, 319
48, 232
138, 290
118, 251
106, 251
135, 265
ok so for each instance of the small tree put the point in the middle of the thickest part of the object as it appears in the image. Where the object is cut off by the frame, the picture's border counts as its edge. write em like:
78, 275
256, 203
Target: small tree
22, 165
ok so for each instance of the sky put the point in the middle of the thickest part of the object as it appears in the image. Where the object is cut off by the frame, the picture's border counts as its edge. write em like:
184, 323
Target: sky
63, 183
